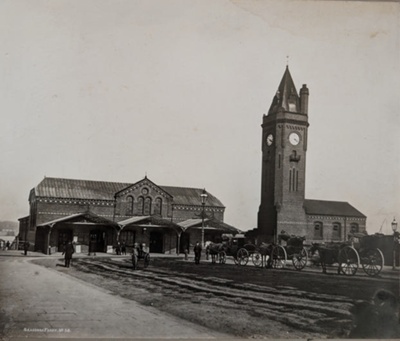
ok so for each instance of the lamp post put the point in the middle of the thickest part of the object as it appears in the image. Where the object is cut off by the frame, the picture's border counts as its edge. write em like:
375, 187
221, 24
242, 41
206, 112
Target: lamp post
203, 203
394, 228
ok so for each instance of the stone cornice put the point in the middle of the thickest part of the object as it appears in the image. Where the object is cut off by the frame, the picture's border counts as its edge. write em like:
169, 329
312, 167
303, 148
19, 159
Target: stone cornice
285, 120
326, 217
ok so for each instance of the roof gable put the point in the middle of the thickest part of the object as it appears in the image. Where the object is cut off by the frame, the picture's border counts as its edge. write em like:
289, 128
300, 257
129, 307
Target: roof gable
144, 182
86, 217
332, 208
210, 222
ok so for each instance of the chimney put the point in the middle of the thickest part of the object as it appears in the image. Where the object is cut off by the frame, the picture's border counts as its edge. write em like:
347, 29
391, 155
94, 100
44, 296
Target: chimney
304, 99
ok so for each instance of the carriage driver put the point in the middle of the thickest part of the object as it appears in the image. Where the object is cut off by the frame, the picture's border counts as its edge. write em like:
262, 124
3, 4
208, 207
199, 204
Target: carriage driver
197, 253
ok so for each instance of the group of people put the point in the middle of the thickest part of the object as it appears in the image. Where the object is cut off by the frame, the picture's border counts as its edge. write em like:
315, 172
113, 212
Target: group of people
120, 249
6, 245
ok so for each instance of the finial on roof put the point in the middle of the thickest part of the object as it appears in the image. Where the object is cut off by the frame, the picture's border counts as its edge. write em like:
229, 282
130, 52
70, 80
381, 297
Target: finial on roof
287, 62
145, 175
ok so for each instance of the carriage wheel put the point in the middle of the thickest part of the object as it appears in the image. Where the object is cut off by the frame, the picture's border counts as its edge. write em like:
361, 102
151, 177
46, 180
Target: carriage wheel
279, 257
300, 259
372, 261
242, 257
257, 259
134, 262
348, 260
222, 257
146, 260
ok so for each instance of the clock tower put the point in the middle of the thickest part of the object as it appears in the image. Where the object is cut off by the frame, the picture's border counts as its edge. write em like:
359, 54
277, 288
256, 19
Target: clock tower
284, 147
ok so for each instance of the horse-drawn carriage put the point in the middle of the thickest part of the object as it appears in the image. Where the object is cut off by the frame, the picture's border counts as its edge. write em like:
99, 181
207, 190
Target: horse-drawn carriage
359, 249
293, 249
266, 254
229, 247
138, 253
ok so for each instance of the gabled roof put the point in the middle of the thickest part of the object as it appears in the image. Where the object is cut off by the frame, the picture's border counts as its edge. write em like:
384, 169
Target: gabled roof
191, 222
209, 223
286, 94
87, 216
103, 190
78, 189
191, 196
331, 208
133, 220
149, 221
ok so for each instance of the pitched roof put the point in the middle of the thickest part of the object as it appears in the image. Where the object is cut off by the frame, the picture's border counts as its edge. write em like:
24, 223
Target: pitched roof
148, 221
78, 189
191, 196
90, 216
102, 190
286, 94
332, 208
210, 223
191, 222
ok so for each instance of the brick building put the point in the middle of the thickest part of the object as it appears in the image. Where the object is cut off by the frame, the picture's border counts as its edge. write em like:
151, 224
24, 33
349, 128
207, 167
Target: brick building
284, 147
97, 215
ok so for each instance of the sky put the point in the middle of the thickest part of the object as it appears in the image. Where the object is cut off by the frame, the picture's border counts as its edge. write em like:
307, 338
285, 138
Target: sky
112, 90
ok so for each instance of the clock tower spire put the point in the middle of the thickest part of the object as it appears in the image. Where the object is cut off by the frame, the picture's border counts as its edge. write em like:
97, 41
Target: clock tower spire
284, 147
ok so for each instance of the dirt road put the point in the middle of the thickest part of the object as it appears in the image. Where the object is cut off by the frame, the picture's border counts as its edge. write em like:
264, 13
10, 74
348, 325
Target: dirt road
240, 301
41, 303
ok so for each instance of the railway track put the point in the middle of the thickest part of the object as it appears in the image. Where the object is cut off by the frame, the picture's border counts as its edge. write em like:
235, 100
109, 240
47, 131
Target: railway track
303, 310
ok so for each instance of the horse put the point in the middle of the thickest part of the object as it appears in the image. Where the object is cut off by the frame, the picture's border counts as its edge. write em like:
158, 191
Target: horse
265, 250
214, 250
327, 255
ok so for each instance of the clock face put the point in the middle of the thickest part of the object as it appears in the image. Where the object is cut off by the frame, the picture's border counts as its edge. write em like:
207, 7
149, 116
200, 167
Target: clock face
270, 139
294, 139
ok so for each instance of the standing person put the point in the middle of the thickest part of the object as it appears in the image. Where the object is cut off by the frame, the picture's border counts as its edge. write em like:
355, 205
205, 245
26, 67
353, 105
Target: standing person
118, 249
26, 248
68, 251
123, 248
197, 253
7, 245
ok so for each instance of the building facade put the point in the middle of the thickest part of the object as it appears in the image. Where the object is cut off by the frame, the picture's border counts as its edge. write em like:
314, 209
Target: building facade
283, 205
98, 215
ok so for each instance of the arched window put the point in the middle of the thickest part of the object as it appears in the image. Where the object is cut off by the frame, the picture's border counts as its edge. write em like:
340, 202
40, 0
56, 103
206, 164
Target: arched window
157, 206
354, 228
336, 231
318, 230
129, 205
140, 205
147, 206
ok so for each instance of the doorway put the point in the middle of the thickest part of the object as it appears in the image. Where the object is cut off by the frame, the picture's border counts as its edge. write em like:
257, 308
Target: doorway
156, 242
185, 242
96, 241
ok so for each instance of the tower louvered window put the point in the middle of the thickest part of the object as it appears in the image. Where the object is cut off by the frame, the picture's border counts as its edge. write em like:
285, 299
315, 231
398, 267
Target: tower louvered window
293, 180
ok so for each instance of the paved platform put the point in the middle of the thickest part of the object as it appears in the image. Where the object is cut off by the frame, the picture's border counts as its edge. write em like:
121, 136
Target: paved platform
37, 302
